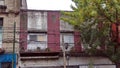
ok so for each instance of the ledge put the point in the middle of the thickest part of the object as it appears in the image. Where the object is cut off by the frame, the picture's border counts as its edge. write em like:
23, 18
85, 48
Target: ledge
39, 57
29, 54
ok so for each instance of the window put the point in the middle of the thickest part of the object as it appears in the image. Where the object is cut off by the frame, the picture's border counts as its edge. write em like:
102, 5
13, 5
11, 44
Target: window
37, 37
1, 2
6, 65
37, 20
37, 40
68, 39
33, 37
1, 25
1, 22
66, 26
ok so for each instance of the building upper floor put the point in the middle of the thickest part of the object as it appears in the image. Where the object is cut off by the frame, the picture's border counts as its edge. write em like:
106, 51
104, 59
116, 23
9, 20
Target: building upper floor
42, 19
43, 29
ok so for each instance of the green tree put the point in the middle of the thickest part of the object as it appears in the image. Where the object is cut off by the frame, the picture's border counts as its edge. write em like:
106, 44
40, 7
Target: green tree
93, 19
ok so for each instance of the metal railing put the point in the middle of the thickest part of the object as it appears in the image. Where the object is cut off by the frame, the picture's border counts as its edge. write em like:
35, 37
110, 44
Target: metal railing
45, 46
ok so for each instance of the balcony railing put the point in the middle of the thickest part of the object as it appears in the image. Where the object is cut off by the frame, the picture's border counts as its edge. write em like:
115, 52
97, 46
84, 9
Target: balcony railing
50, 47
36, 46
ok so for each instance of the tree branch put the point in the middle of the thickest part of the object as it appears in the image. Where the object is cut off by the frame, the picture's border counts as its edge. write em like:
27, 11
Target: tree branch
102, 13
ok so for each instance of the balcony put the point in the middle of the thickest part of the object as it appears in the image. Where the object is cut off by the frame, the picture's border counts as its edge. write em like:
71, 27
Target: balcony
45, 50
38, 50
43, 47
36, 46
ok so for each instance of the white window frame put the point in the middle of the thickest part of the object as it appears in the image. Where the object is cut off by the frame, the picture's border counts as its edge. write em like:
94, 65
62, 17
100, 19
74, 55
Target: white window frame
63, 40
37, 20
33, 44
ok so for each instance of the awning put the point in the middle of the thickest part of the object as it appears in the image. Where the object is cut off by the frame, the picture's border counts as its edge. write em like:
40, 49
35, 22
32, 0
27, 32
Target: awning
7, 57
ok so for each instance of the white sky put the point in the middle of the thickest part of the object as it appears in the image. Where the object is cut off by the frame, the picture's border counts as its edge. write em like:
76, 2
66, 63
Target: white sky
49, 4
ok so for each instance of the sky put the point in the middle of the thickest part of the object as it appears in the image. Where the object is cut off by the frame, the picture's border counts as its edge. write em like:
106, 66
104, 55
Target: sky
49, 4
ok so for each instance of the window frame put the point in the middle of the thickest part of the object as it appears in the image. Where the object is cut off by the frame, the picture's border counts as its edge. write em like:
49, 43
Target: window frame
37, 34
41, 44
67, 34
39, 19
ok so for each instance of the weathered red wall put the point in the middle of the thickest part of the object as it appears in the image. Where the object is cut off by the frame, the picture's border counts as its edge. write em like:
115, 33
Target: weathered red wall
23, 30
77, 41
53, 31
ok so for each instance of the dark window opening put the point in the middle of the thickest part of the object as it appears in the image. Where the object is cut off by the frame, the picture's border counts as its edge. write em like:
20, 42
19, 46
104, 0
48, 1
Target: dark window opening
1, 22
6, 65
33, 37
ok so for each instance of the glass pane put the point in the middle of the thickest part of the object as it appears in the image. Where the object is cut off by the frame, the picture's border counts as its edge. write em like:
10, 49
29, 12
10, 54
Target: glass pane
66, 26
37, 20
41, 38
68, 39
33, 37
1, 2
1, 22
40, 41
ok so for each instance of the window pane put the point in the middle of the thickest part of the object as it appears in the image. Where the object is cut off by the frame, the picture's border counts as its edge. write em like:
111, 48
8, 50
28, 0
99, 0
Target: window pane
68, 38
1, 2
41, 38
1, 22
33, 37
37, 20
41, 41
66, 26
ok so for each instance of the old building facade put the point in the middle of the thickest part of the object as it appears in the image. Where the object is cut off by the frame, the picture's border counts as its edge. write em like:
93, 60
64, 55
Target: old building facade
41, 40
48, 42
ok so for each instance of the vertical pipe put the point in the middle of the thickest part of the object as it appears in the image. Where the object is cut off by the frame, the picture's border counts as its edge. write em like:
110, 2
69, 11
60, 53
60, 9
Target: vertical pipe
64, 54
13, 57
